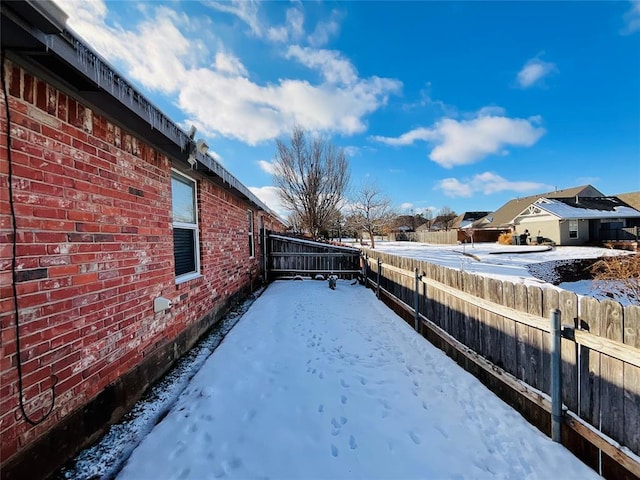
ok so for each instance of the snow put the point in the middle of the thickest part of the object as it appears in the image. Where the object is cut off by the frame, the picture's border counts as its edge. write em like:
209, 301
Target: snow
482, 258
564, 211
106, 458
319, 383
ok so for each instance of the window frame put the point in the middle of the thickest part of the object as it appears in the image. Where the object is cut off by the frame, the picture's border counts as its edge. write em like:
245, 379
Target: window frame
252, 243
576, 230
195, 227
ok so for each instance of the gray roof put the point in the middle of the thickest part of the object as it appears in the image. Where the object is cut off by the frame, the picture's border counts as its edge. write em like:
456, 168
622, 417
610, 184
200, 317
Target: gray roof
586, 208
503, 217
631, 198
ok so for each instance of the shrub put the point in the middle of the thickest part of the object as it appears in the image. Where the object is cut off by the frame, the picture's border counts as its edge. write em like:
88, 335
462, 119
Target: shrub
505, 239
618, 276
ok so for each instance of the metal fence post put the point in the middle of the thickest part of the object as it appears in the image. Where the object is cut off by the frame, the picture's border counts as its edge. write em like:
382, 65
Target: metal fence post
365, 269
378, 279
416, 300
556, 376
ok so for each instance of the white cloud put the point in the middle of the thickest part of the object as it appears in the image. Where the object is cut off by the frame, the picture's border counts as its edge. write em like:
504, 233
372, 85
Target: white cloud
245, 10
632, 19
331, 64
229, 63
351, 151
157, 55
469, 141
406, 206
425, 134
324, 31
534, 71
238, 108
293, 29
223, 100
452, 187
486, 183
271, 197
267, 167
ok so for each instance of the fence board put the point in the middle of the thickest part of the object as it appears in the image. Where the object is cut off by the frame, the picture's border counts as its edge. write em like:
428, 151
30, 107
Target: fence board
569, 308
510, 347
522, 332
632, 382
550, 301
534, 349
472, 314
497, 323
485, 320
611, 371
589, 364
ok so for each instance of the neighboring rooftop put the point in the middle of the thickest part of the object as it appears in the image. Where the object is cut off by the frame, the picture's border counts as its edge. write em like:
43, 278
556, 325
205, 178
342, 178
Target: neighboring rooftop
503, 216
587, 207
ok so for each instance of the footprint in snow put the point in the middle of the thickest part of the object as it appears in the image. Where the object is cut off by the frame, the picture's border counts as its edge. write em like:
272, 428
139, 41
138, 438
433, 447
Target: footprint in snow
352, 442
344, 384
343, 399
442, 432
248, 416
415, 438
320, 408
179, 450
334, 450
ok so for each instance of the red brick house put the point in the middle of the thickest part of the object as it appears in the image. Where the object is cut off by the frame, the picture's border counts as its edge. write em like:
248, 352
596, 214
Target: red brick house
102, 217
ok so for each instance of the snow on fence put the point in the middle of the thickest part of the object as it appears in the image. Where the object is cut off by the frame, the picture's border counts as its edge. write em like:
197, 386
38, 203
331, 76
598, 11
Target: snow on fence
296, 256
500, 331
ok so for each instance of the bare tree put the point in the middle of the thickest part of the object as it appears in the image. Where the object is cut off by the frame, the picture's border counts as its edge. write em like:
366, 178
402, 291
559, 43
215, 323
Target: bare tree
373, 209
312, 176
445, 217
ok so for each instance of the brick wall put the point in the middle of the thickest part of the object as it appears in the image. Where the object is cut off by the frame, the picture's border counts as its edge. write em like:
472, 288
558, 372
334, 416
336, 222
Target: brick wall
94, 248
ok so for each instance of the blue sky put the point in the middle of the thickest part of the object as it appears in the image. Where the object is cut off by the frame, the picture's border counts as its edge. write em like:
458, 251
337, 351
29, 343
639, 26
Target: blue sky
458, 104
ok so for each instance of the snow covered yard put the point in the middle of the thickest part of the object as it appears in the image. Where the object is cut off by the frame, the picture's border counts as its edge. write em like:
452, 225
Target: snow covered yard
504, 262
320, 383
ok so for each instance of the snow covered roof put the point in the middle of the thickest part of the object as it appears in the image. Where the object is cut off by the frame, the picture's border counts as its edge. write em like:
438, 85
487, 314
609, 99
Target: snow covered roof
504, 216
587, 208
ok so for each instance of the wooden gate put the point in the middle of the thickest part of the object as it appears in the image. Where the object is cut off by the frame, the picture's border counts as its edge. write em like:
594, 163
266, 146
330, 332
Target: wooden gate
289, 256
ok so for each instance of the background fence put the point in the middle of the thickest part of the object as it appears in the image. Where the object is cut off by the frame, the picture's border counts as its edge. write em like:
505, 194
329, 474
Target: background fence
507, 324
295, 256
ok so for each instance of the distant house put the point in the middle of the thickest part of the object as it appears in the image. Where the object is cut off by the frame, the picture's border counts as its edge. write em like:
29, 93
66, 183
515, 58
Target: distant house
572, 216
576, 221
470, 226
503, 218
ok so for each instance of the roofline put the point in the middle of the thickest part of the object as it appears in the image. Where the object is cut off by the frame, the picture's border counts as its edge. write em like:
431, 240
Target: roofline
101, 86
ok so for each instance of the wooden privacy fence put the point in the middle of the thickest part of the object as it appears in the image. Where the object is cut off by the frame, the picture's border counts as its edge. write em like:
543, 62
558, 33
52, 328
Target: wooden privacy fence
441, 237
502, 329
295, 256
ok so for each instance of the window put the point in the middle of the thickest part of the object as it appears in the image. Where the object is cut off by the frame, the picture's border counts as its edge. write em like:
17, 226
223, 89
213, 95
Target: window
252, 247
185, 227
573, 228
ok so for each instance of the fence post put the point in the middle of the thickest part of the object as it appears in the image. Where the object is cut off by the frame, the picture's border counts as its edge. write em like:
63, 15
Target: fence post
416, 300
378, 279
556, 376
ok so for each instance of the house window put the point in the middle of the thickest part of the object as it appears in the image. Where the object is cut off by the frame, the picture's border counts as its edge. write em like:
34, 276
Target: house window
573, 228
252, 247
186, 253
